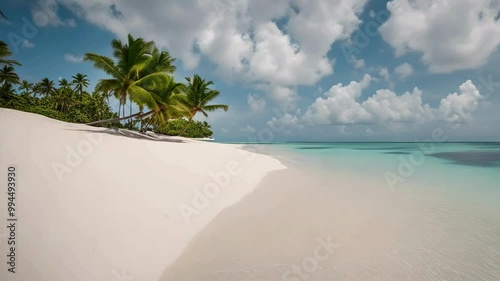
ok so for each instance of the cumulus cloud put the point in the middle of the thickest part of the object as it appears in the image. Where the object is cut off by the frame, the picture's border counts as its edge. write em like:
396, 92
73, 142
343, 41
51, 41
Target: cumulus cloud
283, 95
459, 107
383, 72
248, 130
404, 70
277, 60
341, 106
72, 58
357, 63
242, 38
256, 103
451, 35
285, 124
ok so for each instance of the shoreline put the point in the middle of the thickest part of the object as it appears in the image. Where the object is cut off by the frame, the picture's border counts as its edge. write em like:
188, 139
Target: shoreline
282, 230
107, 205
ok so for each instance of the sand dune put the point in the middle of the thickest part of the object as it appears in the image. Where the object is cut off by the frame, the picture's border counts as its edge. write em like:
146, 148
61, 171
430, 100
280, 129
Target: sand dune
92, 204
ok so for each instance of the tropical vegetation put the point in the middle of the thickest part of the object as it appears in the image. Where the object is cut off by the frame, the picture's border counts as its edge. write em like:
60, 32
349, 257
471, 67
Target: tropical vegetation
140, 75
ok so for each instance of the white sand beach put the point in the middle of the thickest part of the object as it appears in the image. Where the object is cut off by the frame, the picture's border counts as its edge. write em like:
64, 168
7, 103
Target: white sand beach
93, 204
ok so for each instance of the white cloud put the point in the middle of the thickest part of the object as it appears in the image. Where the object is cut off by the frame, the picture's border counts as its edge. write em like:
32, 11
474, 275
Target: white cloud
72, 58
341, 106
383, 72
357, 63
386, 106
28, 44
277, 60
404, 70
285, 124
248, 130
224, 130
240, 37
451, 35
459, 107
256, 103
284, 96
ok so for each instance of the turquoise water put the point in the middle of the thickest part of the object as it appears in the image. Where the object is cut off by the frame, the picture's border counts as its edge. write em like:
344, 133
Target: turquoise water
464, 167
439, 221
437, 207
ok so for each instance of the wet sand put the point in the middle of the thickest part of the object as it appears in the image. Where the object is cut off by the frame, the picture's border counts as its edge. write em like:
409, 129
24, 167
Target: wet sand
410, 234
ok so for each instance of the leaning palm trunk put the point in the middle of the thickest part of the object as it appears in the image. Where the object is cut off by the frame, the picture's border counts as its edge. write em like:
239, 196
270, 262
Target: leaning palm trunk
145, 128
187, 125
112, 120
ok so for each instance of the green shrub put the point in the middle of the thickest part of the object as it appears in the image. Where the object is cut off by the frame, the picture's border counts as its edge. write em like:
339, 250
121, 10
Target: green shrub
196, 129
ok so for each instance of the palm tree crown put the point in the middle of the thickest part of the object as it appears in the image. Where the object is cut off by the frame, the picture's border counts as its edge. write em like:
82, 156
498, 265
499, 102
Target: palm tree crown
63, 83
46, 87
134, 71
169, 97
8, 76
5, 52
81, 82
199, 95
26, 87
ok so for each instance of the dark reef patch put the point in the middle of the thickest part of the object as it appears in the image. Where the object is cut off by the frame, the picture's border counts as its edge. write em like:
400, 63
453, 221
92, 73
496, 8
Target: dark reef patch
315, 147
471, 158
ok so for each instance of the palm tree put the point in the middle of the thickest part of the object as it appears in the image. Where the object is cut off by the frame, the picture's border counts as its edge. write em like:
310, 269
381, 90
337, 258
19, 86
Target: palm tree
170, 100
35, 89
132, 74
46, 87
7, 95
63, 83
8, 76
161, 62
5, 52
107, 95
63, 97
80, 81
198, 95
26, 87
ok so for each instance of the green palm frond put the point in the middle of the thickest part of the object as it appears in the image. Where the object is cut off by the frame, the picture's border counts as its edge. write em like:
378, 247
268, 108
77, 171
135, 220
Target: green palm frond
4, 53
103, 63
199, 94
8, 75
142, 97
209, 96
216, 107
153, 80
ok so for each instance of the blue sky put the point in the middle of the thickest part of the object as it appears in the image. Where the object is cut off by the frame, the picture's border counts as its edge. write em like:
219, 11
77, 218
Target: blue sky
325, 70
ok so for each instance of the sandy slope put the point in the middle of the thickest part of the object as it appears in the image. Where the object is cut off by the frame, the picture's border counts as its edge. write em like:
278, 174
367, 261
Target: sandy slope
95, 205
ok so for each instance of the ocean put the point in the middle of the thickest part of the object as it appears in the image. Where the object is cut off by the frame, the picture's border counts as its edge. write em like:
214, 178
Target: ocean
395, 211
